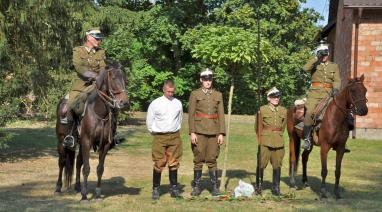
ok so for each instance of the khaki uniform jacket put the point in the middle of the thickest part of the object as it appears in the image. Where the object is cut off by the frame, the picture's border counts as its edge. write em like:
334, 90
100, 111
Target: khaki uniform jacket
324, 73
272, 117
211, 104
86, 60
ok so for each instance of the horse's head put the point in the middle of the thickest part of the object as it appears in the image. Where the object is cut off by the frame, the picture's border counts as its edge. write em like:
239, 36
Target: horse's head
357, 96
111, 85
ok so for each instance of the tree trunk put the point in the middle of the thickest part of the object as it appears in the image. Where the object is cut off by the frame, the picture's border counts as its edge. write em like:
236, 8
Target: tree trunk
224, 172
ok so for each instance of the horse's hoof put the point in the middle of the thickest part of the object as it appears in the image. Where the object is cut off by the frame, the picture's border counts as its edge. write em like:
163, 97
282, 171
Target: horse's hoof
77, 187
57, 193
306, 185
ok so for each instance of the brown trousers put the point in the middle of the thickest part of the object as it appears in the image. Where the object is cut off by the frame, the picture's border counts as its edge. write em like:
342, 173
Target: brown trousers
206, 151
275, 155
167, 149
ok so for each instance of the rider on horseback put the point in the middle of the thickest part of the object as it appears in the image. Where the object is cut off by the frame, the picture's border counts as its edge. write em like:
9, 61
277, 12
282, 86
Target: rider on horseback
88, 61
325, 78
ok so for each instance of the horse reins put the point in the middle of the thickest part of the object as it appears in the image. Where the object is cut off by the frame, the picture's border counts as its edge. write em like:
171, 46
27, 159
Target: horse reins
110, 102
352, 102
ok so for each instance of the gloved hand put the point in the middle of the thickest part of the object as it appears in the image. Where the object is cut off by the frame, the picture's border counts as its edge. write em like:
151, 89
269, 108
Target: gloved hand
89, 76
335, 91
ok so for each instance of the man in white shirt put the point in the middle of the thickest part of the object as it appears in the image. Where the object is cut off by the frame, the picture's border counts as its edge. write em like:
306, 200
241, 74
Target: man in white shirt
164, 119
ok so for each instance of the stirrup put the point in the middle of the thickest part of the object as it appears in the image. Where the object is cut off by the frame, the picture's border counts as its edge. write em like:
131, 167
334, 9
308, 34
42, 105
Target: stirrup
64, 120
307, 145
69, 141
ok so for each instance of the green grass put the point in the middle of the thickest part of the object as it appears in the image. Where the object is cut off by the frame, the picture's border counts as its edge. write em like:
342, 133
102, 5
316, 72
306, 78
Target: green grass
28, 170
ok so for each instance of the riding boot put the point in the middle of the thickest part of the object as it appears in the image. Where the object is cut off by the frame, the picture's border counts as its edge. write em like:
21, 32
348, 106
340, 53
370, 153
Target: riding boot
307, 136
260, 182
350, 121
69, 140
214, 181
156, 184
173, 175
196, 190
276, 182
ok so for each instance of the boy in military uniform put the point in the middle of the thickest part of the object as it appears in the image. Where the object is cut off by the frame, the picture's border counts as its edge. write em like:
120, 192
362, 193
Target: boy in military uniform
207, 128
273, 123
88, 61
325, 77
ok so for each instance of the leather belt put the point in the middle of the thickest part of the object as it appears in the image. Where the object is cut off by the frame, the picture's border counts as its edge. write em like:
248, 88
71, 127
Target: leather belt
272, 129
322, 85
207, 116
164, 133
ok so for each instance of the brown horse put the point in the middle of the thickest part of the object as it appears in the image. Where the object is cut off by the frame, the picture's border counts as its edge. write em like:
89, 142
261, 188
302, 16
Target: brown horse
333, 133
96, 129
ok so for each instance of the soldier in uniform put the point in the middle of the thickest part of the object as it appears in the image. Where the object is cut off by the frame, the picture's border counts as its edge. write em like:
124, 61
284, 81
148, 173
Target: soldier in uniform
273, 120
88, 61
164, 119
325, 81
207, 128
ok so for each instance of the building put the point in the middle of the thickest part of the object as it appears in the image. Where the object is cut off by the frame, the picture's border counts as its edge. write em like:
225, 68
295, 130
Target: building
354, 31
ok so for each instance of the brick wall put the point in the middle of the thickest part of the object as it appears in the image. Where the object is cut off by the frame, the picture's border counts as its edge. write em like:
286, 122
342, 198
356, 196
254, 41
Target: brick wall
370, 64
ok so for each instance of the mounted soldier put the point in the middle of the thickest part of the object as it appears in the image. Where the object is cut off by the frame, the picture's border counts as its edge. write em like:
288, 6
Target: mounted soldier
325, 78
88, 61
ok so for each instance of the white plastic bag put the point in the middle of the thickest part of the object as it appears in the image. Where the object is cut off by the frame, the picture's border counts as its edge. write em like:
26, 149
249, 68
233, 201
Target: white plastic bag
244, 189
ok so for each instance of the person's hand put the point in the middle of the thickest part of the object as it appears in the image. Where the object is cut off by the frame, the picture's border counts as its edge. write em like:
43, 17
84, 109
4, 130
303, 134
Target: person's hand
194, 138
220, 139
335, 91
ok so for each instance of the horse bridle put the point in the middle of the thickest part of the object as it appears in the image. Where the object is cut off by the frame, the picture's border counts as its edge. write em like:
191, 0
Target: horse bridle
353, 107
110, 99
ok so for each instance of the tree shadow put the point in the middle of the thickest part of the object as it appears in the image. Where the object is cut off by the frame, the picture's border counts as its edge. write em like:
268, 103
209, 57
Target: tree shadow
28, 143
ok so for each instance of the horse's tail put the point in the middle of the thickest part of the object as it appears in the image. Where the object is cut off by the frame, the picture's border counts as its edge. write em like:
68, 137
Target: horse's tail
297, 143
69, 166
294, 140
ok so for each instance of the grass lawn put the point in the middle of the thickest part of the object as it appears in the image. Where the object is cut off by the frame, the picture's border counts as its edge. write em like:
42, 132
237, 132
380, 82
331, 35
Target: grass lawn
28, 172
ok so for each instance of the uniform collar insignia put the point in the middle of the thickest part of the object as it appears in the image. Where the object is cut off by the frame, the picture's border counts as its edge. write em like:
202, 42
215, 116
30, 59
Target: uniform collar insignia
207, 91
272, 107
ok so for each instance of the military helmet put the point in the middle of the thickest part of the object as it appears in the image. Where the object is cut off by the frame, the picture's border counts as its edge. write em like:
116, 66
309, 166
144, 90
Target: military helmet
273, 92
207, 74
322, 49
95, 33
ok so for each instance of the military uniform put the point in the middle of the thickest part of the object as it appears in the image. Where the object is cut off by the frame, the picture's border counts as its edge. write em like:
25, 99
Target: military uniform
273, 120
325, 77
85, 59
206, 119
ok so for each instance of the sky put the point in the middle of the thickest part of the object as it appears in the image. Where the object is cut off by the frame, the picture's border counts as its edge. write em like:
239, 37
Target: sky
321, 6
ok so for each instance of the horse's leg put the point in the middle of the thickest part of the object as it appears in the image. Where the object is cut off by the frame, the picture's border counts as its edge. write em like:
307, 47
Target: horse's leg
292, 160
86, 166
79, 163
305, 158
100, 168
324, 170
61, 164
339, 155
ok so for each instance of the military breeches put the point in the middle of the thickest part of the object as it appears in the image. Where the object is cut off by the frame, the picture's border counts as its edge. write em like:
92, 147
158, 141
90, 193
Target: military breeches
78, 98
313, 99
206, 151
275, 155
167, 149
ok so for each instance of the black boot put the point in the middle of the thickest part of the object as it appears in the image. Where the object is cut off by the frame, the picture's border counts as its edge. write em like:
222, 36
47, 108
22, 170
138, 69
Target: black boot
173, 175
307, 136
276, 182
196, 190
350, 121
214, 181
156, 184
260, 182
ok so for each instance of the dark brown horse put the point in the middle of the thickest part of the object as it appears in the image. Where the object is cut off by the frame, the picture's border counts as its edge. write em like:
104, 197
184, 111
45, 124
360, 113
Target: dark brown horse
96, 129
333, 133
